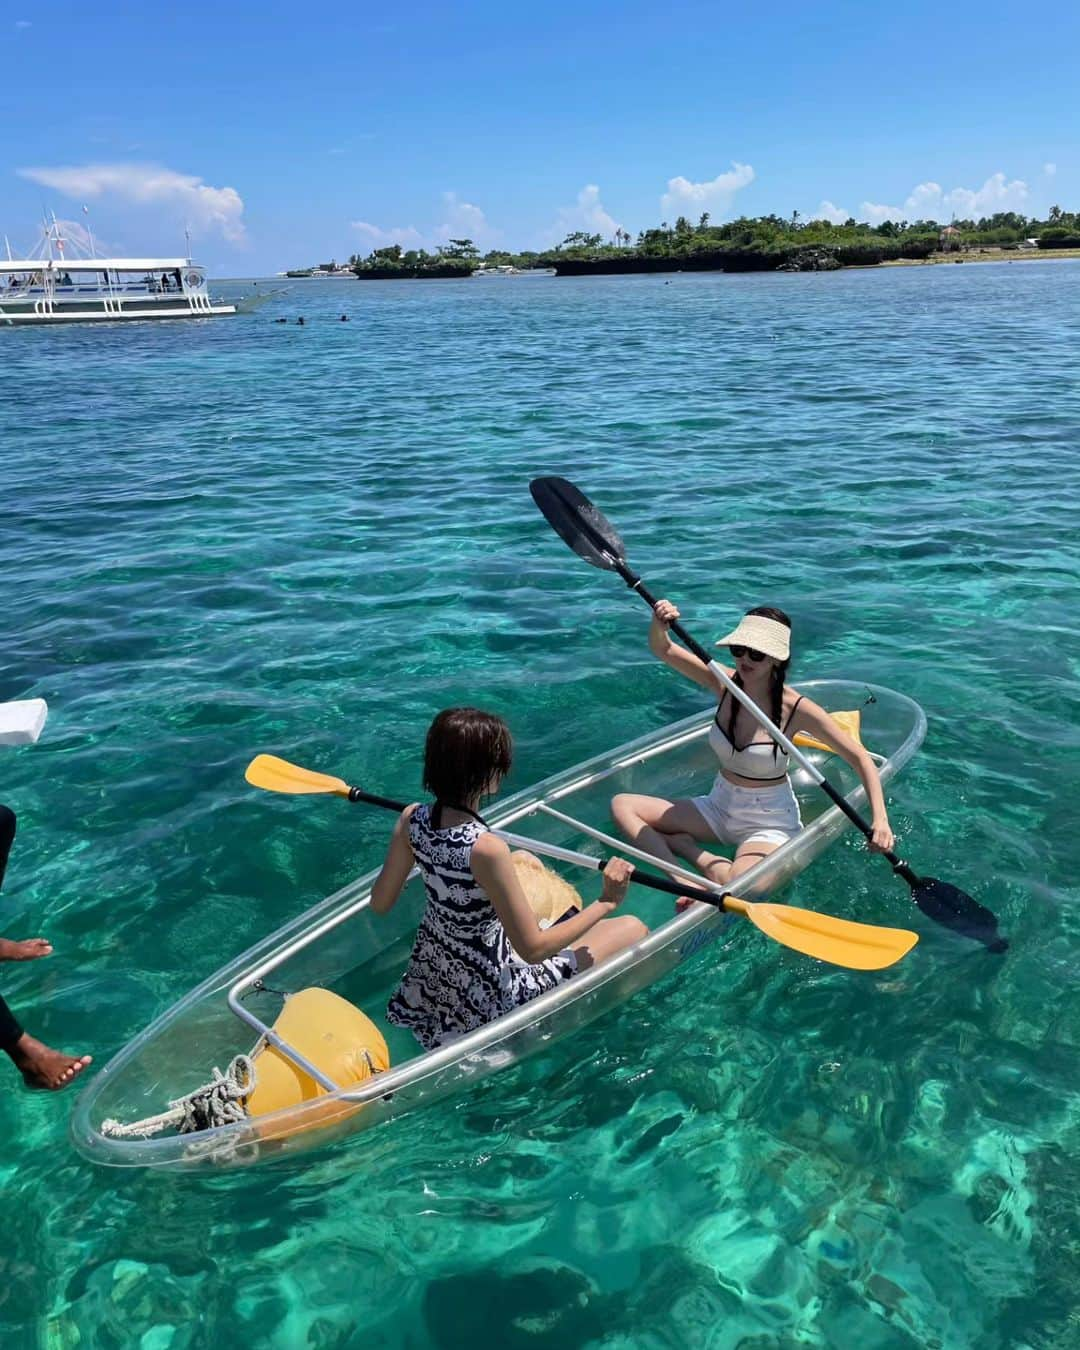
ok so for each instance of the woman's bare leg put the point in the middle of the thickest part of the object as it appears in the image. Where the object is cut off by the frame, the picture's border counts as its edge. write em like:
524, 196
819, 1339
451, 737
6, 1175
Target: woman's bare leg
749, 855
650, 822
711, 865
609, 937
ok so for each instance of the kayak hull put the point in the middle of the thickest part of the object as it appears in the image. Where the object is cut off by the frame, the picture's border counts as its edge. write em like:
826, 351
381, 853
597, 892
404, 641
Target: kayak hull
340, 944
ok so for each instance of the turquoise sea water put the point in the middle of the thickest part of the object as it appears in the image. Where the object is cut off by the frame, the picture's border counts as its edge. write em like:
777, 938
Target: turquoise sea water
234, 536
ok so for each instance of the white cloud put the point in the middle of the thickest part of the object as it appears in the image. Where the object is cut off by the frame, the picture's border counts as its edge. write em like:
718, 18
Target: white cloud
876, 213
927, 201
829, 211
588, 213
716, 196
408, 236
995, 195
1049, 170
923, 201
203, 207
464, 221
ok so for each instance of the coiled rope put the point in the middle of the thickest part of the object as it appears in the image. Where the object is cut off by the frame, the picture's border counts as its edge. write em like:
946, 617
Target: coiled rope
222, 1101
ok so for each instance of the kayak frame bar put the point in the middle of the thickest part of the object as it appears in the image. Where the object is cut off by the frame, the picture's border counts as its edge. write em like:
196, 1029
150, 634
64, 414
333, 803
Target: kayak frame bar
246, 983
251, 978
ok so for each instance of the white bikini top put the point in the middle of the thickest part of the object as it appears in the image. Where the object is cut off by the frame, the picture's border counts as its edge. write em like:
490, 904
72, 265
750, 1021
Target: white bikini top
762, 760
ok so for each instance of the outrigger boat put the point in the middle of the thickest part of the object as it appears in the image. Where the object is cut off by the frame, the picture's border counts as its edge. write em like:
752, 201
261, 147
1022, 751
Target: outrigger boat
329, 1045
58, 287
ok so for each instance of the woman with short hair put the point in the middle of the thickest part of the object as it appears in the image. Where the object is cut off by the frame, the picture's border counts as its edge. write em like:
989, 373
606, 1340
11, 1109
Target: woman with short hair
480, 951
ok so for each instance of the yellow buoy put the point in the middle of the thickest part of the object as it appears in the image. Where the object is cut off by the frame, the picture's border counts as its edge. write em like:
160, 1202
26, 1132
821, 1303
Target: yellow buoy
340, 1040
846, 721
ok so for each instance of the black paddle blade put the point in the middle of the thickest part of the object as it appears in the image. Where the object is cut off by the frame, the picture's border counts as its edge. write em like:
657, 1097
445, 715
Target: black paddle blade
578, 523
957, 910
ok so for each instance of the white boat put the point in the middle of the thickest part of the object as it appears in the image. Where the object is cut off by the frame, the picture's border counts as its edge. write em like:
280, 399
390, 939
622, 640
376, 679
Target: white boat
509, 270
340, 946
59, 287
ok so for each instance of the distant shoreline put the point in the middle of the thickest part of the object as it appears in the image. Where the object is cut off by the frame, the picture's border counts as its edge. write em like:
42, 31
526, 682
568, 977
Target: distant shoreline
812, 259
985, 255
638, 266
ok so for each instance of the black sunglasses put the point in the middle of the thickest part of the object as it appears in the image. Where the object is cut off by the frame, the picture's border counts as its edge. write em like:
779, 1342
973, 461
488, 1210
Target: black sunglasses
749, 652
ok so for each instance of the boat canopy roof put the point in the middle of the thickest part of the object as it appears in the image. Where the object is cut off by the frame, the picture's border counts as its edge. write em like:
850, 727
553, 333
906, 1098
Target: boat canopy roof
95, 264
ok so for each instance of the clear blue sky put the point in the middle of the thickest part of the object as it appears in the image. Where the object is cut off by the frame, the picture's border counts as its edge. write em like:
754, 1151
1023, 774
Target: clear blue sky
287, 135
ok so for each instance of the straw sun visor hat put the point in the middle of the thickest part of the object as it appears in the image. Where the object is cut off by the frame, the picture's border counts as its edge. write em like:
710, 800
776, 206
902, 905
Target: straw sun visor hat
761, 635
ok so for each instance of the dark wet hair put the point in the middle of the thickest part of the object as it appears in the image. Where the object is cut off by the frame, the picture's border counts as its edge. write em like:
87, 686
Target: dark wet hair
777, 678
465, 749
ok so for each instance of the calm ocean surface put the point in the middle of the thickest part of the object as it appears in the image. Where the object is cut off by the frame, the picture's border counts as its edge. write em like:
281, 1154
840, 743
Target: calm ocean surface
235, 536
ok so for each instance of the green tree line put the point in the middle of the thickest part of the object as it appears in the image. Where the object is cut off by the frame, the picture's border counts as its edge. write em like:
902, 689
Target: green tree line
750, 242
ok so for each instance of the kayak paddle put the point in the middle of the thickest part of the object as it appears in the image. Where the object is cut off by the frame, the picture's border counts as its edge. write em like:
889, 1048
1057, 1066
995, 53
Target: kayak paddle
591, 536
857, 946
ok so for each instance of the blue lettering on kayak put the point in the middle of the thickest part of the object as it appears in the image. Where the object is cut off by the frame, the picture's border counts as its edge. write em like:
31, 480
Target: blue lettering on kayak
701, 937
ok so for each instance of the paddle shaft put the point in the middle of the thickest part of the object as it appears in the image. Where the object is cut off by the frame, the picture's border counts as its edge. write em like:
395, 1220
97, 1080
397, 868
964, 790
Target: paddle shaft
636, 584
566, 855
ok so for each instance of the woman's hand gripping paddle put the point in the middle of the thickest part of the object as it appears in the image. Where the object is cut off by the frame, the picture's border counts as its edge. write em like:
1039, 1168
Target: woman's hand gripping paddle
588, 532
856, 946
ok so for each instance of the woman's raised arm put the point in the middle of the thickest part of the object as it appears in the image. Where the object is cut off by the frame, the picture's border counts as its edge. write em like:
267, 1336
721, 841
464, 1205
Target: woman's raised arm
671, 653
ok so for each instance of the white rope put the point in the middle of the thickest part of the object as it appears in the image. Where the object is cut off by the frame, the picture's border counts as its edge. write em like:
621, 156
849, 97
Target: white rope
220, 1102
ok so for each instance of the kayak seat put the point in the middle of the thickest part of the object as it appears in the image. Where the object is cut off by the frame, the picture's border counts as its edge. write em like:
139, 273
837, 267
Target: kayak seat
340, 1040
846, 721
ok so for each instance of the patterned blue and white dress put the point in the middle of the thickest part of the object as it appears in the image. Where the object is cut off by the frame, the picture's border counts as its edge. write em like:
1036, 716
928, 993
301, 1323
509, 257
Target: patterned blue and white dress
463, 971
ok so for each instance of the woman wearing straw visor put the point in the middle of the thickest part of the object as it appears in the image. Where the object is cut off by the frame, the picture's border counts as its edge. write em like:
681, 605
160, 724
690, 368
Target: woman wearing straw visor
751, 805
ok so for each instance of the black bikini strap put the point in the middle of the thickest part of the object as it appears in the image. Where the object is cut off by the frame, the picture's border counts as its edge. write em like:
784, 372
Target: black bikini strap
436, 814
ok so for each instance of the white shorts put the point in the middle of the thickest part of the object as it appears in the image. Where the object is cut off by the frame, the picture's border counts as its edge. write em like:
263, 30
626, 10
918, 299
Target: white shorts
767, 815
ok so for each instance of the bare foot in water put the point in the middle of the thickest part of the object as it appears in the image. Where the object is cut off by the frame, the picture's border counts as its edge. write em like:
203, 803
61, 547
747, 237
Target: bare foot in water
42, 1067
29, 949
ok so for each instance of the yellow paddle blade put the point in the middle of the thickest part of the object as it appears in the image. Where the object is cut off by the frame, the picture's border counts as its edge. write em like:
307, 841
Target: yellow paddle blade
278, 775
846, 721
858, 946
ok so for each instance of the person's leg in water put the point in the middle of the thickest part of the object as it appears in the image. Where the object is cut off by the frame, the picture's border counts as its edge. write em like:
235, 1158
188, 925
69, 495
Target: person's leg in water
7, 837
29, 949
39, 1064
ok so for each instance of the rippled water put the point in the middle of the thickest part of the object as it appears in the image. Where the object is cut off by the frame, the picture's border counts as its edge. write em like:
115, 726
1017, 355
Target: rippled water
240, 535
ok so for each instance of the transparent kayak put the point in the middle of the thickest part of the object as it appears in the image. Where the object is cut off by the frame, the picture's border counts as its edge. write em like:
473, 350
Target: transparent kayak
341, 946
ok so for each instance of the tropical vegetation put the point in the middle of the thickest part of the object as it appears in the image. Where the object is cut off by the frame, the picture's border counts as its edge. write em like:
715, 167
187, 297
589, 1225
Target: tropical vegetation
770, 242
759, 243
